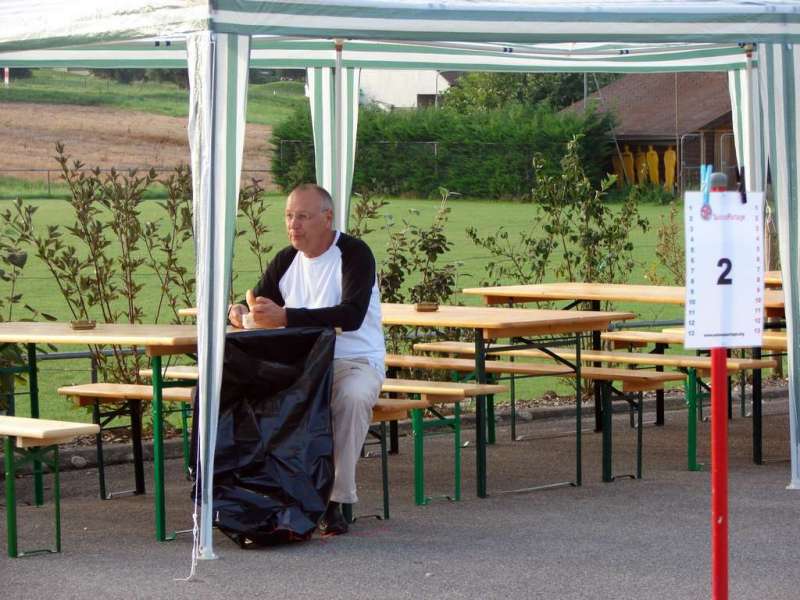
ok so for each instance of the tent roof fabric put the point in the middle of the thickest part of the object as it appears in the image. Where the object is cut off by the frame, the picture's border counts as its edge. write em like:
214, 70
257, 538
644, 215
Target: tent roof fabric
271, 52
637, 100
31, 24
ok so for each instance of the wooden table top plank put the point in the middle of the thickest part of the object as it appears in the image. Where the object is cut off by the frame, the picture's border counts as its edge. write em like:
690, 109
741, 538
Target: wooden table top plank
103, 334
498, 322
613, 292
501, 321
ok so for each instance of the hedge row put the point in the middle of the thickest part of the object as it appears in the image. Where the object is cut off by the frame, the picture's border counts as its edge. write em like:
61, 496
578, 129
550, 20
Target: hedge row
483, 155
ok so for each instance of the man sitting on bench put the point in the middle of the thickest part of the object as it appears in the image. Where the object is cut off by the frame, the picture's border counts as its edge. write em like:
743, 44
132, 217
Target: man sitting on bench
328, 278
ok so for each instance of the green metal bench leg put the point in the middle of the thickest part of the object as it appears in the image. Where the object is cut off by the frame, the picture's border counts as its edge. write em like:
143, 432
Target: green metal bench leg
57, 496
11, 498
98, 444
490, 424
185, 437
33, 384
457, 450
605, 412
35, 456
639, 434
385, 469
513, 393
691, 399
418, 431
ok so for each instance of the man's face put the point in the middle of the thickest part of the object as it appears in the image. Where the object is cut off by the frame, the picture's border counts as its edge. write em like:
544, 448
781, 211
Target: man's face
307, 224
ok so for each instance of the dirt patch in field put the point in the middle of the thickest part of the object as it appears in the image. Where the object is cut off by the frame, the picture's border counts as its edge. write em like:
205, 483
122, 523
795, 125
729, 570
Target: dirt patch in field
105, 137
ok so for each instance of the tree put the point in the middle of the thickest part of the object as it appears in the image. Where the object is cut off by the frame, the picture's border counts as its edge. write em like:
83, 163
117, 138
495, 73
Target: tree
487, 91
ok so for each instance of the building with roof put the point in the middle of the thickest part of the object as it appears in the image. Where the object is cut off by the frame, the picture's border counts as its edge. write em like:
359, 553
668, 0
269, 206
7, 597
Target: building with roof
689, 111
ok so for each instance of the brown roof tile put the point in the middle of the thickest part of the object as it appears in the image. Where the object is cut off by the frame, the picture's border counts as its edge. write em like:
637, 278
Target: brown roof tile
645, 103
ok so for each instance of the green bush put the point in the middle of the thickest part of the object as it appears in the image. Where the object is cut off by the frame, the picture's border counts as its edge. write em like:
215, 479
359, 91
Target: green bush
484, 155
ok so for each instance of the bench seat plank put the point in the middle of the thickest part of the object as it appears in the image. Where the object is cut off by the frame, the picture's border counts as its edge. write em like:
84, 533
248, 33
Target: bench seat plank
466, 365
624, 338
121, 392
44, 431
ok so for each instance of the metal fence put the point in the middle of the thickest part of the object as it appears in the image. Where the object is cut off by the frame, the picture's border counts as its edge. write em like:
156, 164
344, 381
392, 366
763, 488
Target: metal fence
52, 177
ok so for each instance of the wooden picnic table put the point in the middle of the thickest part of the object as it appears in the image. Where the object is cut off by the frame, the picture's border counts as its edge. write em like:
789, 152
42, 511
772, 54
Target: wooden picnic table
578, 292
490, 323
157, 340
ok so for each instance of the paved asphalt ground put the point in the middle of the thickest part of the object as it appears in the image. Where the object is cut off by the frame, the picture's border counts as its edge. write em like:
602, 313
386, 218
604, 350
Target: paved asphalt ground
629, 539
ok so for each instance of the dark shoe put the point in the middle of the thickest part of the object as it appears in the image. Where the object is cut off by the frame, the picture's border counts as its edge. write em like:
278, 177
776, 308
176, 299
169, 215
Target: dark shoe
332, 521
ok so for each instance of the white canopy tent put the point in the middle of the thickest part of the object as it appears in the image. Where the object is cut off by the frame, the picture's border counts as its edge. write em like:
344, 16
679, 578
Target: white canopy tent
220, 40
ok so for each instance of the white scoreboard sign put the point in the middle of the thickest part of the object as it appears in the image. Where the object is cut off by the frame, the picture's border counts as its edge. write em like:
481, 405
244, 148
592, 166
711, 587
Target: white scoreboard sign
724, 270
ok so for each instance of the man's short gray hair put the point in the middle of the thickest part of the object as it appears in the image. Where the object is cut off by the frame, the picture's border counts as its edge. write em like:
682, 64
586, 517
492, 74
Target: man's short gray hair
321, 192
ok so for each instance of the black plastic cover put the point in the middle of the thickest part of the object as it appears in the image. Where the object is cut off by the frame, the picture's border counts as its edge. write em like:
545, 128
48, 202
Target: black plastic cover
273, 465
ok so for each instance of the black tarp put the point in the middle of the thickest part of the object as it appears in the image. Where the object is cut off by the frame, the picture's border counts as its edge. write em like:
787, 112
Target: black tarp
273, 464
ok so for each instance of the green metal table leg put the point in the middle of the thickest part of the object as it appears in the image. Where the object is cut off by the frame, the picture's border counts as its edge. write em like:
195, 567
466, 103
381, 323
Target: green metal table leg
480, 416
57, 497
608, 458
158, 450
578, 428
33, 384
185, 437
418, 431
691, 399
457, 450
513, 392
639, 427
385, 469
11, 496
490, 423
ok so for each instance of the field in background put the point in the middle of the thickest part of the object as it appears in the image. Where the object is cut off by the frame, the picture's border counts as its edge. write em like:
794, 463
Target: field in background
267, 103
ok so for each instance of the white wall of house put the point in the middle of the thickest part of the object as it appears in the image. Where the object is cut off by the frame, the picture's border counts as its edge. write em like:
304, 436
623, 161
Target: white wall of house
399, 88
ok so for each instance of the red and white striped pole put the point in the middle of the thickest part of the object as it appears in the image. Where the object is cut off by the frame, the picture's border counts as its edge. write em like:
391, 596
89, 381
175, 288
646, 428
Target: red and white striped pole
719, 455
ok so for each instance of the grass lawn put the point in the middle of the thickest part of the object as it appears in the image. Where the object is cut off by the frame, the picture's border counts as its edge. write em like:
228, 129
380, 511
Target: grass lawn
38, 290
267, 104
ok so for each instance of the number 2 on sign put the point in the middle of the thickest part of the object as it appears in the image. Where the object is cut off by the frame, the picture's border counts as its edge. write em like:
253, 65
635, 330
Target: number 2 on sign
726, 265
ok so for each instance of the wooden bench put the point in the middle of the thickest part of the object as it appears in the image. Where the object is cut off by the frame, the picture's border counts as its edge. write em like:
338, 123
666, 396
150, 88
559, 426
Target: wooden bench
35, 441
634, 383
112, 400
430, 395
772, 341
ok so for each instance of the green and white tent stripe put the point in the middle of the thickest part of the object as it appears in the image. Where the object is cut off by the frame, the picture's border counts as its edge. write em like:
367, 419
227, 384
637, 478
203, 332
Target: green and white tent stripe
779, 74
747, 126
333, 94
514, 20
269, 52
218, 67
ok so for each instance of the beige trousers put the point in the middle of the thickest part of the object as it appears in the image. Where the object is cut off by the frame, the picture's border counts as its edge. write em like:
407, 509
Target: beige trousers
356, 386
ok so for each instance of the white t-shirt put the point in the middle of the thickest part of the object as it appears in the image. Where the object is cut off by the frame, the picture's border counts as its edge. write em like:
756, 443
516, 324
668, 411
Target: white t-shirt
339, 288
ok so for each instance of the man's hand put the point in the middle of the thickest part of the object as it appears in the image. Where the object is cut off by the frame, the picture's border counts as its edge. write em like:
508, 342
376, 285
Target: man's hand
235, 314
268, 314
